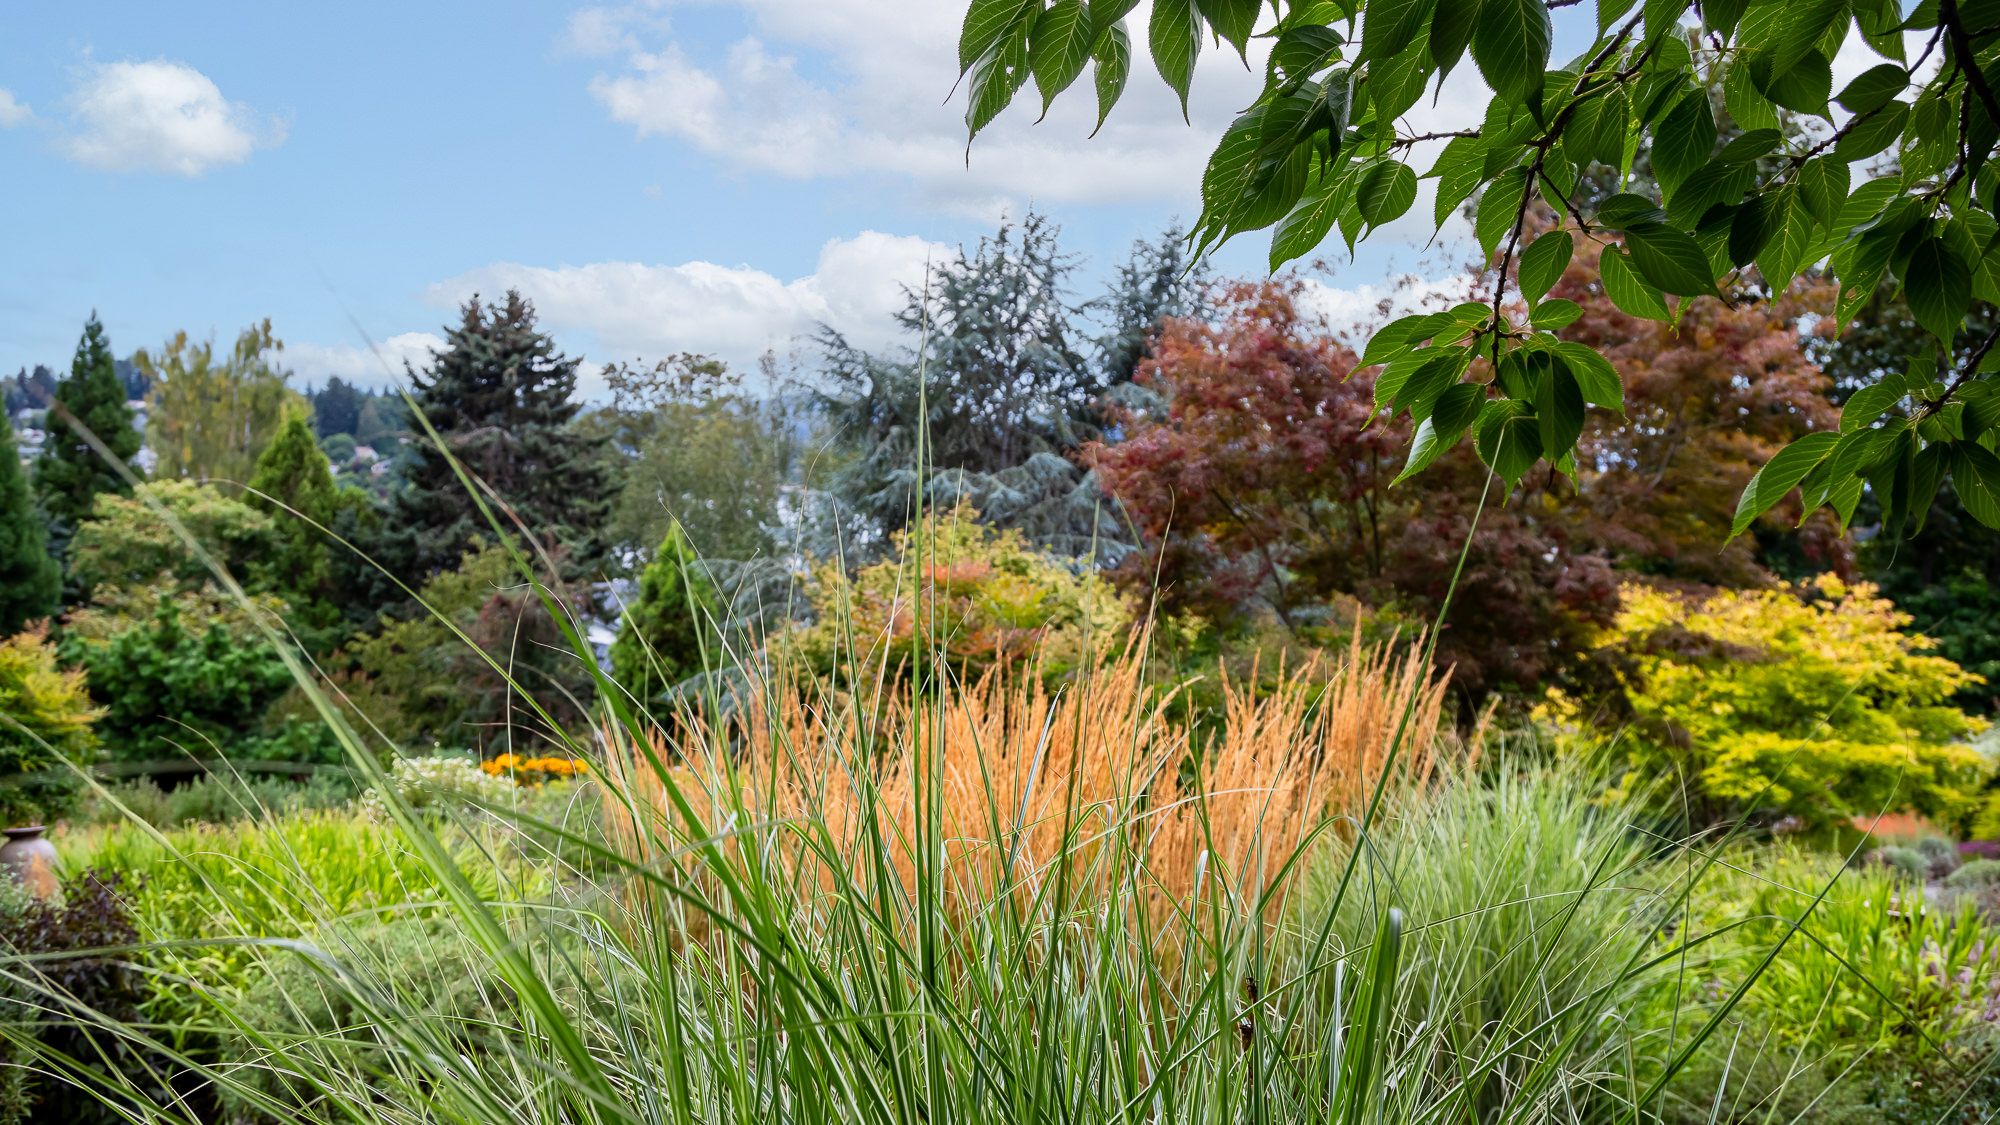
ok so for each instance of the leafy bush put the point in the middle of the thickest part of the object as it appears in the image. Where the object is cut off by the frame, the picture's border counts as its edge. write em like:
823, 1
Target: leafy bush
1886, 1000
1809, 702
42, 998
216, 799
1978, 873
187, 670
1940, 855
126, 543
1907, 862
45, 718
980, 597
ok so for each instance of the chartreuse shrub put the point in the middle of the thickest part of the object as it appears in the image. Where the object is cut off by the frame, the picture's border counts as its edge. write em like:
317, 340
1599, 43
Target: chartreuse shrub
1809, 701
46, 719
1884, 1008
978, 596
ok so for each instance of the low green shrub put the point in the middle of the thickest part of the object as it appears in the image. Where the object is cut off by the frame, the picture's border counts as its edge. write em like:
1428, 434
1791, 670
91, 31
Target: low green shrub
1977, 873
1881, 1009
1907, 862
216, 799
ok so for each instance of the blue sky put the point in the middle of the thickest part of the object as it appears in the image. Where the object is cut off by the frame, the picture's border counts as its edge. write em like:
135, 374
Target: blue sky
659, 175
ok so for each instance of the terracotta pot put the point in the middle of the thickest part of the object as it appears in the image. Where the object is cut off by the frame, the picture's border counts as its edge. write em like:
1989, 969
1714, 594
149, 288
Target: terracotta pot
30, 860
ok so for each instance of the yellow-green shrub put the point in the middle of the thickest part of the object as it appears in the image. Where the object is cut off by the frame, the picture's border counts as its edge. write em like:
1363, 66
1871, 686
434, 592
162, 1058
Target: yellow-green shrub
1810, 701
48, 716
982, 596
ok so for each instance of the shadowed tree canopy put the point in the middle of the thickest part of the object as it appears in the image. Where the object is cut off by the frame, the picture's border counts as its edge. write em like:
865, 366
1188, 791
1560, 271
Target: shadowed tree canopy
71, 473
30, 581
503, 400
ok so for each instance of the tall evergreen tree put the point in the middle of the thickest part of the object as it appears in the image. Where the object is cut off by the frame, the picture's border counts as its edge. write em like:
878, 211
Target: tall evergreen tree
1161, 280
294, 483
659, 644
30, 582
503, 400
70, 473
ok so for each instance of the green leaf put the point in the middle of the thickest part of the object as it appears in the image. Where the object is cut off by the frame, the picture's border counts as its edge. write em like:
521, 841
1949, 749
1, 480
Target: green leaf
1389, 26
1060, 46
1429, 381
1510, 44
996, 78
986, 21
1786, 252
1500, 210
1386, 191
1594, 375
1938, 285
1779, 476
1399, 335
1543, 263
1106, 14
1555, 314
1874, 88
1626, 210
1823, 188
1302, 230
1451, 32
1509, 439
1632, 296
1453, 412
1683, 140
1803, 86
1873, 133
1459, 170
1670, 259
1112, 65
1559, 411
1751, 229
1233, 20
1975, 477
1175, 38
1872, 401
1746, 104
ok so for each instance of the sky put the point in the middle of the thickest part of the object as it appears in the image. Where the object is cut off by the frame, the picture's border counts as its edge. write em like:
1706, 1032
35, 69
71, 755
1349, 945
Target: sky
716, 176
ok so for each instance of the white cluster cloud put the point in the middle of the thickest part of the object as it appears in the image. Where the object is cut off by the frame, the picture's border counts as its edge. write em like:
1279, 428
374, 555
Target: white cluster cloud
379, 364
858, 87
13, 111
161, 116
625, 310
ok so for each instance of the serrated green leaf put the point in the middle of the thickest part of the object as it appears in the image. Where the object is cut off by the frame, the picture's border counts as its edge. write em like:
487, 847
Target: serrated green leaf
1669, 259
1174, 35
1430, 380
1386, 191
1975, 477
985, 22
1874, 88
1509, 439
1683, 140
1543, 263
1059, 47
1791, 243
1779, 476
1747, 105
1399, 335
1804, 86
996, 78
1459, 170
1751, 228
1233, 20
1626, 209
1594, 375
1451, 33
1302, 230
1872, 401
1633, 296
1388, 27
1112, 65
1558, 411
1555, 314
1937, 283
1105, 14
1499, 210
1510, 45
1873, 133
1823, 188
1453, 412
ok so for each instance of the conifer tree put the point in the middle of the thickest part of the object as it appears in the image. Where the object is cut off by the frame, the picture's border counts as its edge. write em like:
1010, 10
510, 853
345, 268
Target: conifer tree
71, 473
503, 400
659, 643
294, 483
30, 582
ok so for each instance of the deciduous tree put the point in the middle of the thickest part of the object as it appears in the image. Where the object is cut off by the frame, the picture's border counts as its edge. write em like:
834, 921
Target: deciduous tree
208, 416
